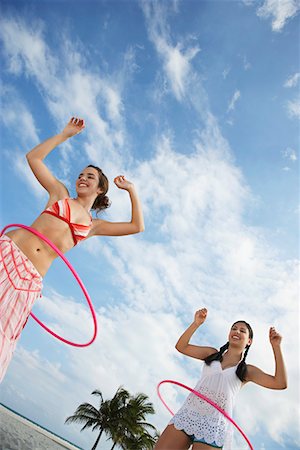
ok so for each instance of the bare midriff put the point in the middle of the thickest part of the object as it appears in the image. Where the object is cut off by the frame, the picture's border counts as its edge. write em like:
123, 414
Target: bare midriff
37, 251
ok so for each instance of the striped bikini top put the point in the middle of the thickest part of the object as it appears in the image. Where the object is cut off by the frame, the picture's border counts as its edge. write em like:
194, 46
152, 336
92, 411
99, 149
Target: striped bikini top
61, 210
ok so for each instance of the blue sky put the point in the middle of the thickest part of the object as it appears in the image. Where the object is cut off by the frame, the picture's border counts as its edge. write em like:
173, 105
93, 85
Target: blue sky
197, 102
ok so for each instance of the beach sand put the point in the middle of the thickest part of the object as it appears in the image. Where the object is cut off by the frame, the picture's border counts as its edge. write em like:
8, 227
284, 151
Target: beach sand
19, 433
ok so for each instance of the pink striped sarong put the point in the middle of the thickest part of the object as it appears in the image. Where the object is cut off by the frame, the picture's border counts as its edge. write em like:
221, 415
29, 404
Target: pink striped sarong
20, 286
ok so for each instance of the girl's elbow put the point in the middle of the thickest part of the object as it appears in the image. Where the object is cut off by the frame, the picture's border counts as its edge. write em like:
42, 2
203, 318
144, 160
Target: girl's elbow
178, 348
29, 158
138, 229
284, 383
281, 386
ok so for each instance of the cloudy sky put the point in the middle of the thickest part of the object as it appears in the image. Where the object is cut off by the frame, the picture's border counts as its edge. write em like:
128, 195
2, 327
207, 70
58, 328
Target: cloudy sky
196, 102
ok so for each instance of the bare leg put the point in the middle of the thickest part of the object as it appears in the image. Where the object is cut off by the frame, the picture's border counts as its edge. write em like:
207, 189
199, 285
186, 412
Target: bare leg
172, 439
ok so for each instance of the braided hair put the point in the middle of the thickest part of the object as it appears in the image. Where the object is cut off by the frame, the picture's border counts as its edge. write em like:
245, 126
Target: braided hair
241, 370
101, 201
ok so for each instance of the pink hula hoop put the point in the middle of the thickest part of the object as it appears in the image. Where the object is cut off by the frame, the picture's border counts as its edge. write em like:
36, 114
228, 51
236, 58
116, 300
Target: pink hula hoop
85, 292
206, 399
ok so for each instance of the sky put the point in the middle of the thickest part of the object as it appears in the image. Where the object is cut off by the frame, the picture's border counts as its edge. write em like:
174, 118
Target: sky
197, 103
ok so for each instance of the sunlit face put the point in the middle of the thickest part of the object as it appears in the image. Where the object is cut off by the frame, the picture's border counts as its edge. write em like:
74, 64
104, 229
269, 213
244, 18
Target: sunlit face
239, 335
87, 182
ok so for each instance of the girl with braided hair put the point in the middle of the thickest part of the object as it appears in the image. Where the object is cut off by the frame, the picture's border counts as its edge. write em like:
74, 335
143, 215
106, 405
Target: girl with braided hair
225, 371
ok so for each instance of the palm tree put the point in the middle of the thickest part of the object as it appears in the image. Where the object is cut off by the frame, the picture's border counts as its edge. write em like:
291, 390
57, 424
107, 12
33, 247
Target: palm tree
115, 411
122, 418
92, 417
131, 430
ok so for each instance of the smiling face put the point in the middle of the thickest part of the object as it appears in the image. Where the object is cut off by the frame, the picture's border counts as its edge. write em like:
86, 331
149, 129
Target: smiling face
87, 182
240, 335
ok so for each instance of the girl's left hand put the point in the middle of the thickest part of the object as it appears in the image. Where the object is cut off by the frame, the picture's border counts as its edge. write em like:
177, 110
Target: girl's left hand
122, 183
275, 338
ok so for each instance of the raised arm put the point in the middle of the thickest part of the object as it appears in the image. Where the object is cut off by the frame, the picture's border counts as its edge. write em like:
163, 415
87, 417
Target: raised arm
136, 225
279, 379
37, 155
195, 351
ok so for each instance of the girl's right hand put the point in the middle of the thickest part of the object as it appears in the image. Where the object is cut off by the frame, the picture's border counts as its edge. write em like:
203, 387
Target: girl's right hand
74, 127
200, 316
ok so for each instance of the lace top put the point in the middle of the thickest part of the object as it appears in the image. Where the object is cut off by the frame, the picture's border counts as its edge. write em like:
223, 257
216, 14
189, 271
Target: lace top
197, 417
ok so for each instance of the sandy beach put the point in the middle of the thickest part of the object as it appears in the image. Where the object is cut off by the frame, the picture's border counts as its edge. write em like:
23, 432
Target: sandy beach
19, 433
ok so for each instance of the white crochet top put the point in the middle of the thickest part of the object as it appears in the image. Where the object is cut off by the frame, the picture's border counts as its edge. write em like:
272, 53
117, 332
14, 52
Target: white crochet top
197, 417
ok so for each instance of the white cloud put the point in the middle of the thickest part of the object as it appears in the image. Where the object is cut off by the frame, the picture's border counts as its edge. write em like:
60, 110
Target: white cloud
279, 10
26, 49
233, 101
177, 66
293, 108
176, 59
70, 89
292, 81
290, 154
18, 117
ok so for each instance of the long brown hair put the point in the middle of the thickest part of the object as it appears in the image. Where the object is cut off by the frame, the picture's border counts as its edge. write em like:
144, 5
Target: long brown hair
101, 201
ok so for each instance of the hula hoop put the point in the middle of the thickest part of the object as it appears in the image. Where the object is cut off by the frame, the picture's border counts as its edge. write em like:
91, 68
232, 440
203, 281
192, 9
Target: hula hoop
206, 399
85, 292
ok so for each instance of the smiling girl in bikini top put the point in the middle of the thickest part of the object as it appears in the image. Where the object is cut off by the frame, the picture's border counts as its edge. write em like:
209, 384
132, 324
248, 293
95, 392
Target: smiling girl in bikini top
66, 221
25, 258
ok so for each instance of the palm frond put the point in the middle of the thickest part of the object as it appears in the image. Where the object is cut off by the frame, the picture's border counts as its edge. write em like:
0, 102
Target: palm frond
122, 419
